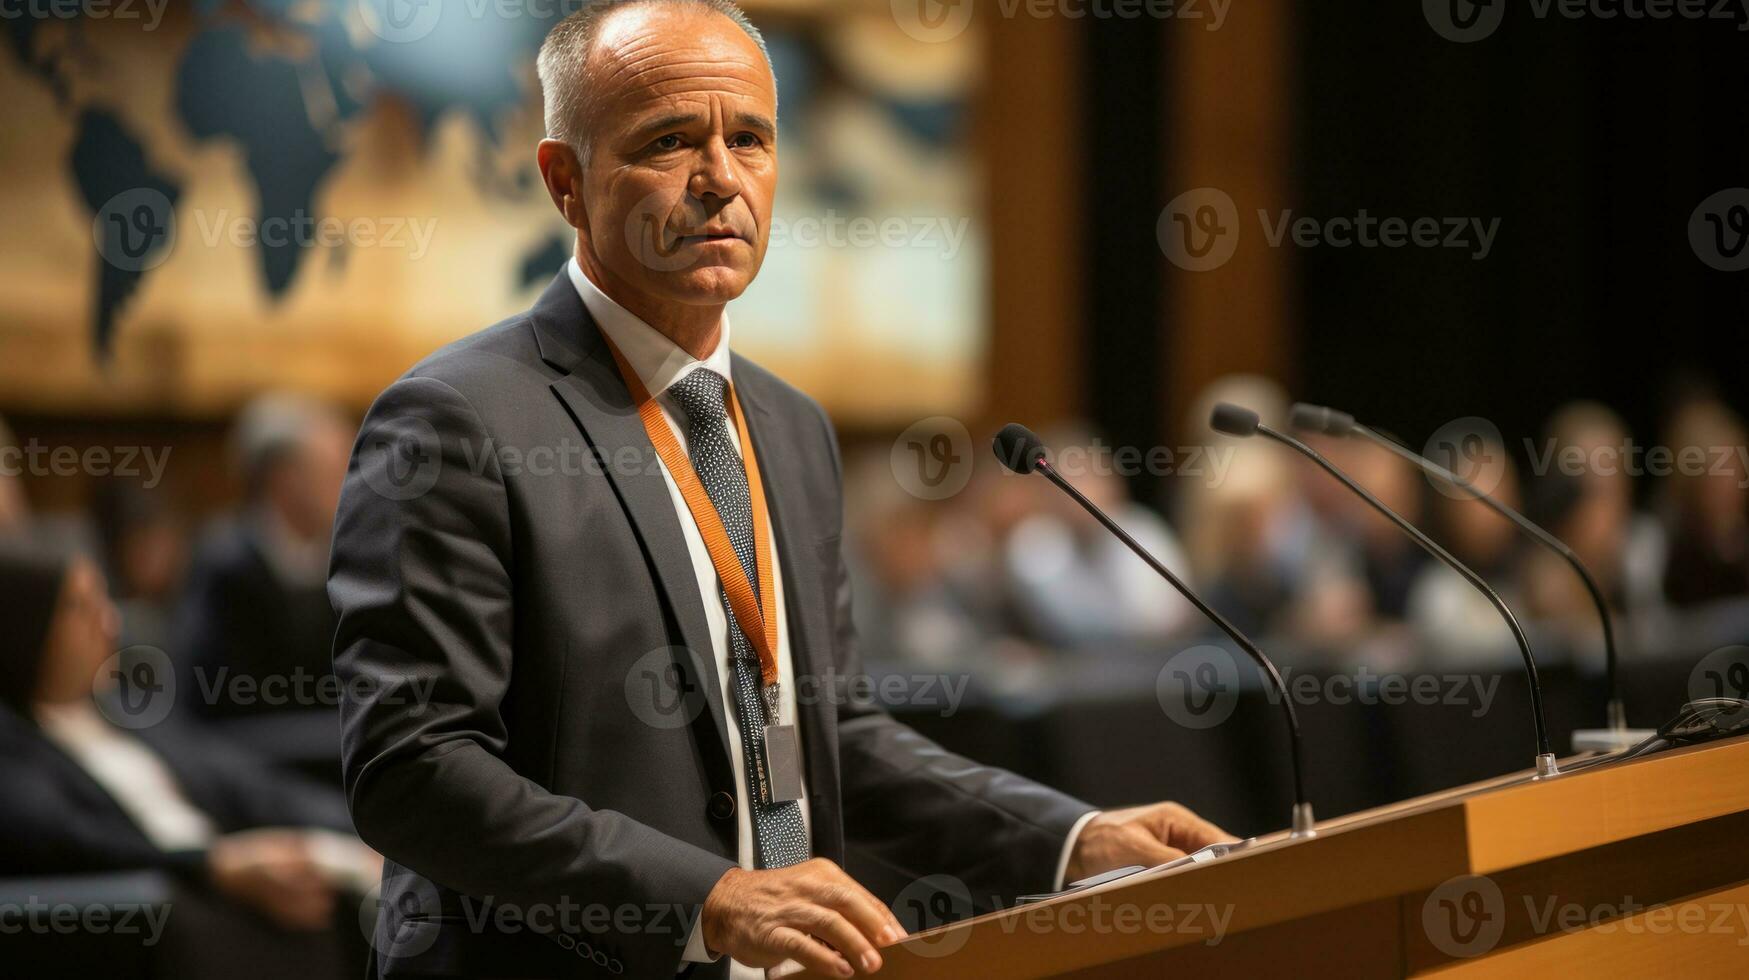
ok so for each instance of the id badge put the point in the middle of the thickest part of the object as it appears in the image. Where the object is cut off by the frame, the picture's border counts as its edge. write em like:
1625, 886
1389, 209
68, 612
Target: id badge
783, 764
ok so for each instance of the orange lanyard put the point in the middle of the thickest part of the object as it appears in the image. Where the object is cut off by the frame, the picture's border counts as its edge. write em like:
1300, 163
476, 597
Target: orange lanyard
760, 630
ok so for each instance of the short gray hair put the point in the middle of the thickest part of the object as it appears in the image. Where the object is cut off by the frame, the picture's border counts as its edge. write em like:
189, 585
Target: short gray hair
563, 84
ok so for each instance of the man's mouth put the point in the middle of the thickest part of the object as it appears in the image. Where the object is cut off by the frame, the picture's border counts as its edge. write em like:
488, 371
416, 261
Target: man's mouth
708, 237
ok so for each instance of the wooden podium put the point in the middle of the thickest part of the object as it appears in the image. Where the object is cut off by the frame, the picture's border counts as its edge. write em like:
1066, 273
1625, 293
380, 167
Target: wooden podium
1630, 869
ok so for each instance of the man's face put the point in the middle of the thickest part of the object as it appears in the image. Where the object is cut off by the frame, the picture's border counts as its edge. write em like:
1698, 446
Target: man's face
676, 193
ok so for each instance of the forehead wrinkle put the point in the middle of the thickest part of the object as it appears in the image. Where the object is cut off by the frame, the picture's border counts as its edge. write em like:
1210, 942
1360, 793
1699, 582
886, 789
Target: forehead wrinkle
645, 54
655, 70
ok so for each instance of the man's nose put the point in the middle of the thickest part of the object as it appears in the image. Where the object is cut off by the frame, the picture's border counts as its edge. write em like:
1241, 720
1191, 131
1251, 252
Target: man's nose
716, 174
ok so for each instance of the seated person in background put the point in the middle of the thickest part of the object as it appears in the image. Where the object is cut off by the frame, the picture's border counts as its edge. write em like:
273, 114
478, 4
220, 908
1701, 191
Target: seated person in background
145, 554
256, 855
1707, 508
1073, 582
256, 609
1449, 616
1591, 508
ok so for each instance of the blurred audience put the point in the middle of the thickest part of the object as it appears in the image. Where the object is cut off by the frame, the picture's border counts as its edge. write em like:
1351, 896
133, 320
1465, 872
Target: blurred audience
1075, 585
261, 858
1586, 498
1450, 618
1251, 536
256, 606
1010, 565
1707, 507
145, 555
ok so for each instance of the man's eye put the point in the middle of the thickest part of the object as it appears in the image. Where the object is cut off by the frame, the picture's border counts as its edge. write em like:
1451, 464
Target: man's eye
744, 141
669, 142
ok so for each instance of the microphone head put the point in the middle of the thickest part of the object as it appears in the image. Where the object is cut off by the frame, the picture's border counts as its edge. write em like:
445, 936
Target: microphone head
1317, 418
1018, 448
1234, 420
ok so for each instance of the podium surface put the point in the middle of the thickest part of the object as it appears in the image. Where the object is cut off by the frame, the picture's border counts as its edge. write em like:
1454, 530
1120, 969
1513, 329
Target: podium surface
1626, 868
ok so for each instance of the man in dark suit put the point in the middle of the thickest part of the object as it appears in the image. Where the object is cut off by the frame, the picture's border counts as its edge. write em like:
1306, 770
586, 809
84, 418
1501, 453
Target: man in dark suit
255, 625
590, 583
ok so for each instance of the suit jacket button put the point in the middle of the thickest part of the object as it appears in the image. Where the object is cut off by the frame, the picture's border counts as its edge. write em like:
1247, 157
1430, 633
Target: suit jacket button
722, 805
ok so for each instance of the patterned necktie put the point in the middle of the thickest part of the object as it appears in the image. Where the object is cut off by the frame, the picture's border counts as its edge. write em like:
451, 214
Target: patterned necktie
778, 837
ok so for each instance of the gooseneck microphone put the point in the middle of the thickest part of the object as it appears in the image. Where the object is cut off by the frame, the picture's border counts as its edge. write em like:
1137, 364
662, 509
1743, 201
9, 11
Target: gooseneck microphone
1023, 452
1233, 420
1316, 418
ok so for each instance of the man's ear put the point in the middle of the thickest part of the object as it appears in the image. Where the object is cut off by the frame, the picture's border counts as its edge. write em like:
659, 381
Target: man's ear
563, 174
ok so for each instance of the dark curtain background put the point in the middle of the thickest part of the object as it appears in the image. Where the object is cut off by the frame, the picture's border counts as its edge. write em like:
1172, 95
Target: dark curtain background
1593, 141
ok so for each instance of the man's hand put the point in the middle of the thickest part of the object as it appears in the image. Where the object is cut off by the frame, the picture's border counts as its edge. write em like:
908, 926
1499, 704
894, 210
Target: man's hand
811, 912
275, 873
1145, 835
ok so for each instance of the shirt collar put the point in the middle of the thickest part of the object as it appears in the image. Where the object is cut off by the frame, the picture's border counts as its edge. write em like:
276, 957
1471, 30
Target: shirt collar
658, 361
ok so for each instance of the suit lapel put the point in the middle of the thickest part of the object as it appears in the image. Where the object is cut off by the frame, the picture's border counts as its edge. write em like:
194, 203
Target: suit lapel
593, 391
780, 463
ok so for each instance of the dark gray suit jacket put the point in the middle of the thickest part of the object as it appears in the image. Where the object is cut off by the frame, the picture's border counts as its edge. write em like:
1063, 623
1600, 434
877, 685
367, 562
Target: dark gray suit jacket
533, 730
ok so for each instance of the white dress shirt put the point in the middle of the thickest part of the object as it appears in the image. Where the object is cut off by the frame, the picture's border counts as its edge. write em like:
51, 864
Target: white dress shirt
141, 784
659, 363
